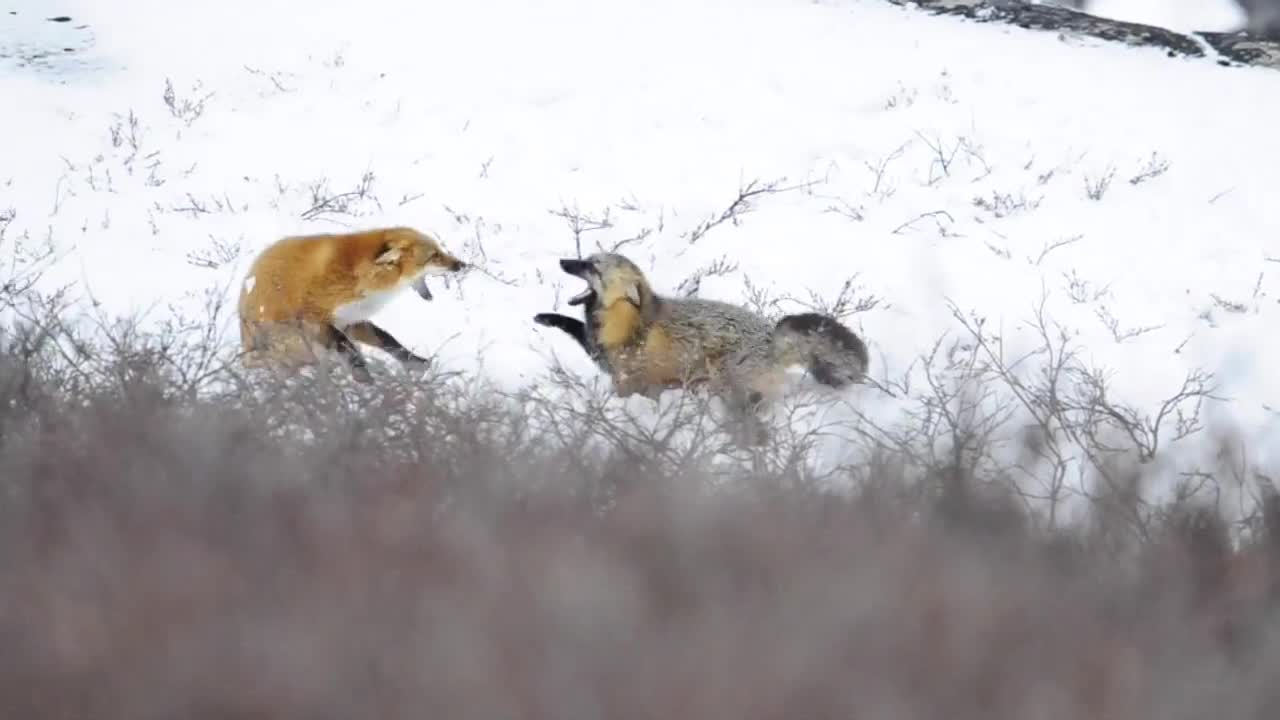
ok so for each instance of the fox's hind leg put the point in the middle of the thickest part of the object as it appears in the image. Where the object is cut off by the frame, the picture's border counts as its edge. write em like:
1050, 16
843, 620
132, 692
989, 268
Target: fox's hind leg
370, 334
746, 425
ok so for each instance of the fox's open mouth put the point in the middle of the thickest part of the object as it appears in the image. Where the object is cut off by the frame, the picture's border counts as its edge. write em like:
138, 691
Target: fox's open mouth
581, 269
420, 287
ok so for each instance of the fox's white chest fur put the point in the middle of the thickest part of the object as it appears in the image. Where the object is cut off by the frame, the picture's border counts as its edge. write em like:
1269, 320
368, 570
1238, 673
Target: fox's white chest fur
369, 305
373, 302
364, 308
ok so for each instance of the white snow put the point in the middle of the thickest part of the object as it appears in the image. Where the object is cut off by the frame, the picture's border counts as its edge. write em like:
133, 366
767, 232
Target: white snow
481, 120
1180, 15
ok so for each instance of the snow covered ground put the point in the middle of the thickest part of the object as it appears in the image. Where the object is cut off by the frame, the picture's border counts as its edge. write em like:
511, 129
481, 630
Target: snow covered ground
1180, 15
933, 161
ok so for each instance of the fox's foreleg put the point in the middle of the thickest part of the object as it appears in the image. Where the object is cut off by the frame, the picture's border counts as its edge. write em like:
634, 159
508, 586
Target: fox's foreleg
369, 334
337, 340
573, 327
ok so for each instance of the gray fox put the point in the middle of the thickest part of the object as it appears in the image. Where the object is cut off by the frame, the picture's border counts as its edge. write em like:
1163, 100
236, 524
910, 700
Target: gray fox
648, 342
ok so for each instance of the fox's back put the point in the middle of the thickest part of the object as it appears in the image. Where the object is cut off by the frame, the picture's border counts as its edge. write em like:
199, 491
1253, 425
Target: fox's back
713, 329
302, 274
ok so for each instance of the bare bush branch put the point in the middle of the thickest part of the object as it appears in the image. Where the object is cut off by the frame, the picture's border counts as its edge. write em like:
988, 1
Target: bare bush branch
27, 263
1154, 167
1054, 245
878, 187
934, 215
1121, 334
850, 300
1003, 205
942, 156
186, 109
274, 77
218, 253
1083, 291
326, 202
741, 205
1095, 188
1229, 305
719, 267
843, 207
580, 223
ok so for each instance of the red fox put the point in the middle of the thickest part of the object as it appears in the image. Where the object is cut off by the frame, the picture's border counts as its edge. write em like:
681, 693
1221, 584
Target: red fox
318, 292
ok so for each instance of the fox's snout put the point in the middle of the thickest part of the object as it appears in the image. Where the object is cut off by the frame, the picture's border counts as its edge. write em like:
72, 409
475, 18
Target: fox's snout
443, 264
582, 269
448, 264
574, 266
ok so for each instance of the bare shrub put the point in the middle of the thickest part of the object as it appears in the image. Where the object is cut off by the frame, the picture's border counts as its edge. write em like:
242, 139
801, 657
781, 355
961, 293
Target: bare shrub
187, 109
23, 262
180, 539
741, 205
325, 203
1002, 205
1095, 187
1154, 167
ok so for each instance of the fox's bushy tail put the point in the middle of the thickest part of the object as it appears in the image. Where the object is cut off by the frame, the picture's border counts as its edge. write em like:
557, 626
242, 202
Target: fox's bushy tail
832, 353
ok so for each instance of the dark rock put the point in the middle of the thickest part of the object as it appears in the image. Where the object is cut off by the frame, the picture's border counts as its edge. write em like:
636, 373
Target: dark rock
1237, 47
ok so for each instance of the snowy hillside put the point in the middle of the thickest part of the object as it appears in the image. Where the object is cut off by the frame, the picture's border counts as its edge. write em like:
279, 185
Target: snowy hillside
930, 160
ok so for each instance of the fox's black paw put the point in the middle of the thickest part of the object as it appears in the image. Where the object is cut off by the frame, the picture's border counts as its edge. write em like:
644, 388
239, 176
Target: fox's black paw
362, 375
416, 365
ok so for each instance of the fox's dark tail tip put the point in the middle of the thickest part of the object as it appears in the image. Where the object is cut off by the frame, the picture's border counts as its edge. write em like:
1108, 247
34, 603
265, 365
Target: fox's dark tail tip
833, 353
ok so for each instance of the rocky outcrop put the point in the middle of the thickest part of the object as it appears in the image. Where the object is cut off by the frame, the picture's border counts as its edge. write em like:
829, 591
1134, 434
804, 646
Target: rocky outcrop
1227, 48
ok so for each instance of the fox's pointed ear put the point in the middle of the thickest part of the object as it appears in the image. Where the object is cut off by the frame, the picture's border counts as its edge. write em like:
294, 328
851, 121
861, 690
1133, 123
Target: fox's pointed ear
633, 294
389, 255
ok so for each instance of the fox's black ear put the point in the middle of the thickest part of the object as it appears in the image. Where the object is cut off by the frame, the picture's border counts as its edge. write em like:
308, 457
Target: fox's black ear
388, 254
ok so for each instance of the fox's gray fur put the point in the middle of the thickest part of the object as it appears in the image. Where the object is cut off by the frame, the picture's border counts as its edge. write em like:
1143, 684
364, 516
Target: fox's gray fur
648, 342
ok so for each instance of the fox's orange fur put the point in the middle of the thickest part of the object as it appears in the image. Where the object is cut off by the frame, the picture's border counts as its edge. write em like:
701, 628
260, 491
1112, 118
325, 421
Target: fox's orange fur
642, 357
639, 347
314, 292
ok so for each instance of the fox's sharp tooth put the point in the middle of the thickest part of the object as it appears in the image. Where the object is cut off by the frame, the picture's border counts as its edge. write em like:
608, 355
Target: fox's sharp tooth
580, 297
420, 287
